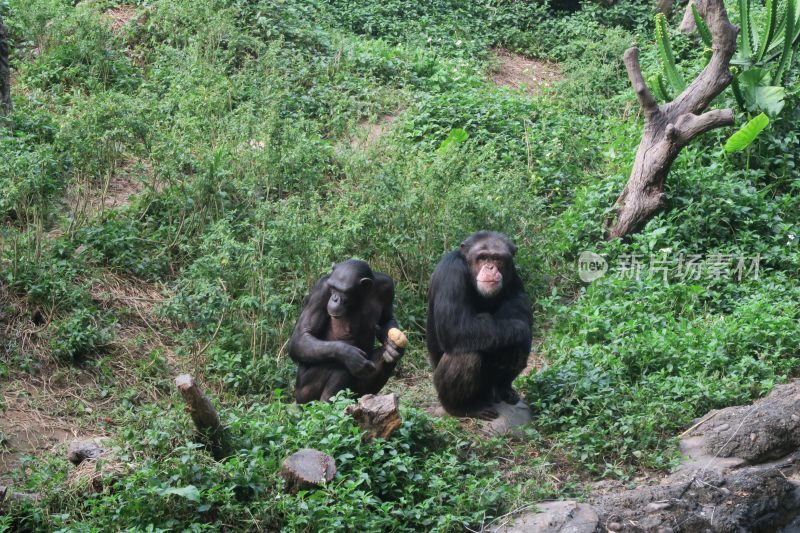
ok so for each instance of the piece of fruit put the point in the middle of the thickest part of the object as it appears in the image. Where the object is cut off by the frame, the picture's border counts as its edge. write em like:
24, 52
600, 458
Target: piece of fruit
398, 338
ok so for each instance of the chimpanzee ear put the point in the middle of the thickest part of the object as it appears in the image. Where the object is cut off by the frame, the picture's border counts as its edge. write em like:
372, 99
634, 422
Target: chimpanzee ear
366, 283
513, 249
464, 248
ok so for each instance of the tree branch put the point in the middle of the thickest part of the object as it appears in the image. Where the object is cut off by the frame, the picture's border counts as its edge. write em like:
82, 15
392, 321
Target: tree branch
643, 94
689, 125
717, 75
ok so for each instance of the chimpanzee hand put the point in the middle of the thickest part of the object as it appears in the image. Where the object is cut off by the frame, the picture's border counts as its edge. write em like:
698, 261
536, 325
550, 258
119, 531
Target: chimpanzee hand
355, 360
391, 352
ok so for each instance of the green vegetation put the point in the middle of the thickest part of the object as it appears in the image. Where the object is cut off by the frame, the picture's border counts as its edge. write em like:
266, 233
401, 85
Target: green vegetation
174, 180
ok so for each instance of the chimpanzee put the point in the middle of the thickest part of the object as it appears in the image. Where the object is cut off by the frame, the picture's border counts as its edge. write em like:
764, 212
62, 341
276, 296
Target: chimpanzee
479, 326
5, 71
333, 342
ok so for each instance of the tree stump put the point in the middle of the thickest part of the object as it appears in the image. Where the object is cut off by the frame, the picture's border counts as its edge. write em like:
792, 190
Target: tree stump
82, 449
204, 416
379, 416
307, 469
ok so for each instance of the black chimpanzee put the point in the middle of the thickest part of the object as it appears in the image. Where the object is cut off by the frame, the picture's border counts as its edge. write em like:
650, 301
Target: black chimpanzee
333, 342
479, 326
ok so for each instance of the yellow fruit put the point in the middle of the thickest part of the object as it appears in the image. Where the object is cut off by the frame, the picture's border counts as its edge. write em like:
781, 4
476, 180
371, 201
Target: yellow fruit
398, 338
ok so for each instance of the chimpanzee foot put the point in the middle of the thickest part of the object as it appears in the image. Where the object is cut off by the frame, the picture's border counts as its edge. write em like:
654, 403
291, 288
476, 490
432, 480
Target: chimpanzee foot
484, 412
508, 395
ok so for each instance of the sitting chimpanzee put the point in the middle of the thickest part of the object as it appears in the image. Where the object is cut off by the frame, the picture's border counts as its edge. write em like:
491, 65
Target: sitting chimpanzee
479, 326
334, 340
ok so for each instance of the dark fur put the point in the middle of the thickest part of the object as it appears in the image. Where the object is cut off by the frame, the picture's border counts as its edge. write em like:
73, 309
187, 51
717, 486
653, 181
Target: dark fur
320, 347
477, 345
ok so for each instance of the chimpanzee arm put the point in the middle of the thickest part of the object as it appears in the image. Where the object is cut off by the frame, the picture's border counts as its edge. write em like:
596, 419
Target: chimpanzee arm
459, 327
516, 315
306, 345
384, 291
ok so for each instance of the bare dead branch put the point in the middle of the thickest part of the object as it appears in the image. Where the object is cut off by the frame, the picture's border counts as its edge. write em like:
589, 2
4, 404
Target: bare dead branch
643, 94
670, 127
689, 126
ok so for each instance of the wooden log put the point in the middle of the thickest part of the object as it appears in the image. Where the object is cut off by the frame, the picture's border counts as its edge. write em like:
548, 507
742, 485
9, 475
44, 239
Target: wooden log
307, 469
379, 416
82, 449
7, 495
204, 416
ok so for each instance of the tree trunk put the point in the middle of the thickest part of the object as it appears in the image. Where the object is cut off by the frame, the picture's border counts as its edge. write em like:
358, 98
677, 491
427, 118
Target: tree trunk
204, 416
670, 127
5, 72
665, 7
687, 24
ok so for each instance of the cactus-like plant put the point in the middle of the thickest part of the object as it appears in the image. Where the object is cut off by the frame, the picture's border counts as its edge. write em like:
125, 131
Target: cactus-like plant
766, 47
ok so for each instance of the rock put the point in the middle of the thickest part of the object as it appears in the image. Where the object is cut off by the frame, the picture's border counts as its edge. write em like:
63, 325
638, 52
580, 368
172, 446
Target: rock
510, 418
307, 469
763, 431
552, 517
379, 416
82, 449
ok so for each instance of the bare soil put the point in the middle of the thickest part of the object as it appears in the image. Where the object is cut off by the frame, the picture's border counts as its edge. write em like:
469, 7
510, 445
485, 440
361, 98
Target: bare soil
519, 72
368, 133
51, 403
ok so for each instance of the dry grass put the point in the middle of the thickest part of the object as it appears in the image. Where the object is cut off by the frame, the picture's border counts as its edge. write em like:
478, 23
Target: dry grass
118, 17
91, 475
88, 198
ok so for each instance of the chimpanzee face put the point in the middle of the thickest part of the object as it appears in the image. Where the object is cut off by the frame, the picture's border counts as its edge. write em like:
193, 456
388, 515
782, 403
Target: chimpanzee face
349, 283
490, 261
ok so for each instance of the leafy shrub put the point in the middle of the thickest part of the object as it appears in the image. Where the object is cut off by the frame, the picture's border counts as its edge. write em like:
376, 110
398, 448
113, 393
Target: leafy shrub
419, 479
78, 335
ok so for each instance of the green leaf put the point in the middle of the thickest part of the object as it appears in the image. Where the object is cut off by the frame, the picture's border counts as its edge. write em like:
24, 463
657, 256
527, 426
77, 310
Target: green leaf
456, 136
769, 99
757, 92
747, 134
189, 492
